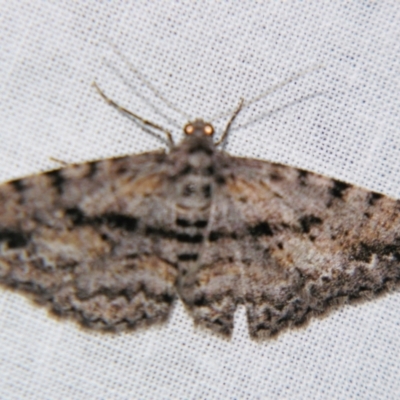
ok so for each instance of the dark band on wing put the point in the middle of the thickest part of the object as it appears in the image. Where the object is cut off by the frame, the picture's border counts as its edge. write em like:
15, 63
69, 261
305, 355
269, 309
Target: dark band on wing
14, 239
307, 221
261, 229
112, 294
216, 235
166, 234
19, 185
338, 188
302, 177
93, 166
57, 179
76, 216
113, 220
119, 221
365, 251
373, 198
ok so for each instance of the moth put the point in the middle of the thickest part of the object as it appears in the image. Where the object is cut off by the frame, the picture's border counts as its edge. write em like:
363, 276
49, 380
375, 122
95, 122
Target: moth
113, 243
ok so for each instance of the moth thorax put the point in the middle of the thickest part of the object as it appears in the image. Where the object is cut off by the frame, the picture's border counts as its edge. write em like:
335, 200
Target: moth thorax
198, 162
193, 192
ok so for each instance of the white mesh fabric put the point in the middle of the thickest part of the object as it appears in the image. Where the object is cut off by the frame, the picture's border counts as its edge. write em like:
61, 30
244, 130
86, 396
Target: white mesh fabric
342, 121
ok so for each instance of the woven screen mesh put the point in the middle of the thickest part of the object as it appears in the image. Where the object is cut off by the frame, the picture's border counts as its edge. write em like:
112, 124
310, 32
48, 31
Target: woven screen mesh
341, 120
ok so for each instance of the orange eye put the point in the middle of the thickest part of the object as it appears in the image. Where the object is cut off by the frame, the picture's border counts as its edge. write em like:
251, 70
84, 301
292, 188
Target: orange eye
189, 129
208, 130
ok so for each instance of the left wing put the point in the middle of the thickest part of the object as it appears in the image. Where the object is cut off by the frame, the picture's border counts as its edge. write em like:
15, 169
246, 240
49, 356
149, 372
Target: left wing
75, 239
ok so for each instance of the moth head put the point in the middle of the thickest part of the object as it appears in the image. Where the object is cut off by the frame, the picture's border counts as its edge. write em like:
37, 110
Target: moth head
198, 128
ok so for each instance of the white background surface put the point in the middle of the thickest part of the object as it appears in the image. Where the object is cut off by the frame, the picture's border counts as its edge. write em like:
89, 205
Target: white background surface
203, 57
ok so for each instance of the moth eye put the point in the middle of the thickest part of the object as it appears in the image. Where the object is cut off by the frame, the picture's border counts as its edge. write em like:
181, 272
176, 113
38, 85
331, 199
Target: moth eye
189, 129
208, 130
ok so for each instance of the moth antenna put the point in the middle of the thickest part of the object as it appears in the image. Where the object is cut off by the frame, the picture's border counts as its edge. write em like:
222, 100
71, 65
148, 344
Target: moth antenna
228, 125
278, 109
131, 114
272, 90
140, 95
155, 91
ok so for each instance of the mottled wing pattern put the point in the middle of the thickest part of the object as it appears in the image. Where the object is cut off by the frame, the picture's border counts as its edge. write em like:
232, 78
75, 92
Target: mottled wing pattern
77, 240
112, 243
307, 243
